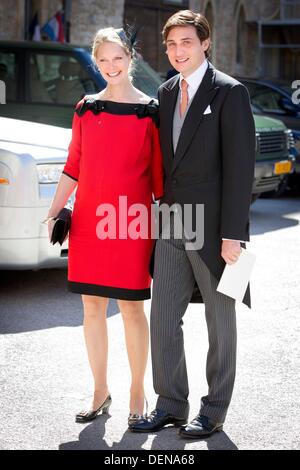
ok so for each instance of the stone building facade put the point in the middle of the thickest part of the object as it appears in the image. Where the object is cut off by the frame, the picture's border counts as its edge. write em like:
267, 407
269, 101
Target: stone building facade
234, 26
250, 37
12, 19
239, 27
244, 30
85, 16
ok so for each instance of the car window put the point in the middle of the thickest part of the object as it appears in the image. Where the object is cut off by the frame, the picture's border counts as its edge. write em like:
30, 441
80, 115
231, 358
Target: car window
287, 88
8, 74
146, 79
58, 79
263, 97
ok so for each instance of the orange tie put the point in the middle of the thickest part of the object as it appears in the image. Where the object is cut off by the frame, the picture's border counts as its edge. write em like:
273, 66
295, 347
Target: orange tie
184, 97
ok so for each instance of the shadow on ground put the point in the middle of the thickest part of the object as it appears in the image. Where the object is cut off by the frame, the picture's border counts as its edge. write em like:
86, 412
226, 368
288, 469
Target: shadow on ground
29, 301
92, 438
268, 215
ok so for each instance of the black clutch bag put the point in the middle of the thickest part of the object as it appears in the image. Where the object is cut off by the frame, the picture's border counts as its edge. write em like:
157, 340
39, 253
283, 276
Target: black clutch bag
61, 226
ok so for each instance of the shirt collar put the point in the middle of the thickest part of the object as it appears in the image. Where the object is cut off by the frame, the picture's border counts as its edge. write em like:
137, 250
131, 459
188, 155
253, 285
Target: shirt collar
196, 77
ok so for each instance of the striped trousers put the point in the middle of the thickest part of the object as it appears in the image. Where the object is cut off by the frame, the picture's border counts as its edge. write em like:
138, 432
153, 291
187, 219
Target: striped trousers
175, 272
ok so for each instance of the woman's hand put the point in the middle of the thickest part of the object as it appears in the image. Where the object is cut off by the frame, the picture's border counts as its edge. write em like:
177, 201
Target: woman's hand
50, 228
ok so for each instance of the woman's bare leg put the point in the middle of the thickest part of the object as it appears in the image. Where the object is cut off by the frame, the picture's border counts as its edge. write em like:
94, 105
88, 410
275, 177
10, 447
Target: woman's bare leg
137, 343
95, 333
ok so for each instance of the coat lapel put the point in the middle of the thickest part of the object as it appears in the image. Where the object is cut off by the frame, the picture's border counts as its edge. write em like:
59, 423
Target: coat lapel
167, 112
203, 97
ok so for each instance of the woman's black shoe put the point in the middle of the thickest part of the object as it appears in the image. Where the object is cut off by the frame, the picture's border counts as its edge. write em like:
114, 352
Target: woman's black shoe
86, 416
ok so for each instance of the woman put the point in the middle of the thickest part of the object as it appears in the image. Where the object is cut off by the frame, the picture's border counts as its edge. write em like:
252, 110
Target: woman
114, 152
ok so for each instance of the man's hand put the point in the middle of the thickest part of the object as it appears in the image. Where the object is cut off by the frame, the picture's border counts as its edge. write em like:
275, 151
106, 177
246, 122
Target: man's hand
231, 250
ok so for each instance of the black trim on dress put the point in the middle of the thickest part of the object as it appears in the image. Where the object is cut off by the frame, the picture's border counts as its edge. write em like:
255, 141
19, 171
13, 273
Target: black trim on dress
69, 176
150, 109
106, 291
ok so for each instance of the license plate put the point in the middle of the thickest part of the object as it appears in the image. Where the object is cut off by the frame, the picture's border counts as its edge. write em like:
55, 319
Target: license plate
282, 167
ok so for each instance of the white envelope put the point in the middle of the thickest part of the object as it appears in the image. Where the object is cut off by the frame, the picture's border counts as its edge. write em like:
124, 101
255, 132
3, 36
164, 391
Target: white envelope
208, 110
236, 276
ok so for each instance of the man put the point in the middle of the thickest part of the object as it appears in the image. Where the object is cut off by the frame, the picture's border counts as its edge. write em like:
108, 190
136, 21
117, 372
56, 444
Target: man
208, 143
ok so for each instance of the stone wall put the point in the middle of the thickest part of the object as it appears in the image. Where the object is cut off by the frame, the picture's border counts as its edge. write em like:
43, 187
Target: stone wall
234, 53
226, 16
88, 16
12, 14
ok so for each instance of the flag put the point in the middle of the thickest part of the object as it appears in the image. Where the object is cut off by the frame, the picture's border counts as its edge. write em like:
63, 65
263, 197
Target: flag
34, 29
54, 28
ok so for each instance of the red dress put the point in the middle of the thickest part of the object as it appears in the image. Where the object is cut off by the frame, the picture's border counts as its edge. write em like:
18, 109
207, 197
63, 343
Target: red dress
114, 152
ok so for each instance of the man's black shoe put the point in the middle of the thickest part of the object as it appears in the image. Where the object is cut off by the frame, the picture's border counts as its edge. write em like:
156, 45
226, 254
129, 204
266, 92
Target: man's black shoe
201, 426
156, 421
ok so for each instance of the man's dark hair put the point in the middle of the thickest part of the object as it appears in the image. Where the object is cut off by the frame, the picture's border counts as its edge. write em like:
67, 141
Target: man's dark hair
188, 18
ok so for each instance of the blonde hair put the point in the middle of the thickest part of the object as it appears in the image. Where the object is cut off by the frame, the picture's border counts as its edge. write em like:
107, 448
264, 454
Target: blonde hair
110, 35
117, 36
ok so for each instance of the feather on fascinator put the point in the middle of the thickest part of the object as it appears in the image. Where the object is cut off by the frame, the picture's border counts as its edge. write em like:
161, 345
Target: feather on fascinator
129, 38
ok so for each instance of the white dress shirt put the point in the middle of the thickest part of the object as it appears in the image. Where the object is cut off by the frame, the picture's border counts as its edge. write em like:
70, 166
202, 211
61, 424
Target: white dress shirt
194, 81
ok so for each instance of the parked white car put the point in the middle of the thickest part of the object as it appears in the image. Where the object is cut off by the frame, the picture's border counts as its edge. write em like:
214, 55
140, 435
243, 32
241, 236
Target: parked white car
32, 157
